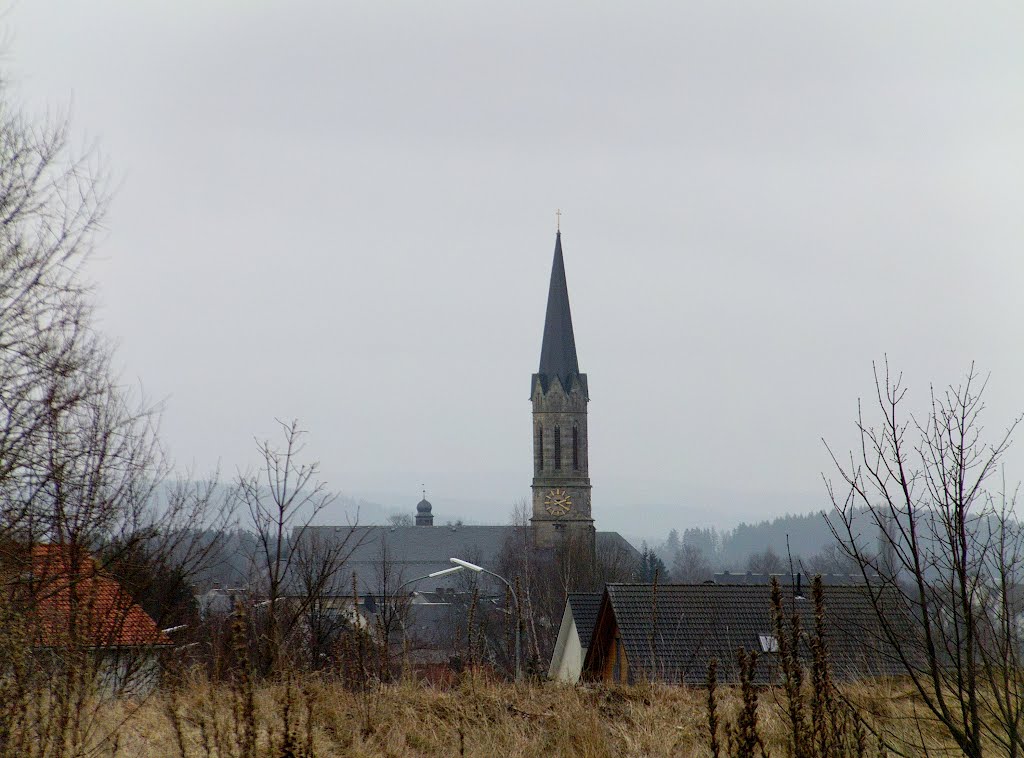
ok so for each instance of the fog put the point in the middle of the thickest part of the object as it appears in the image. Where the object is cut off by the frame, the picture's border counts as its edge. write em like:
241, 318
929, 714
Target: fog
345, 213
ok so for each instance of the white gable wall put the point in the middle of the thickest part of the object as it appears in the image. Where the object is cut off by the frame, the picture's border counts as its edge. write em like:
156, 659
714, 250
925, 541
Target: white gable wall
568, 655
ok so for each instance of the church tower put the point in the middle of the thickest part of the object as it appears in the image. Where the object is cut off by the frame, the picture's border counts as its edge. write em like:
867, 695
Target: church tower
561, 480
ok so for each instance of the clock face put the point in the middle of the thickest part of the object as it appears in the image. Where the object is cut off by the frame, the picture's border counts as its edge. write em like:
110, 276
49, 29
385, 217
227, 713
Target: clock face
557, 502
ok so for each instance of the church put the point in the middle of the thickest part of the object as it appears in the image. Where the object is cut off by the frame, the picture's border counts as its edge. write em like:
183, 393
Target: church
561, 492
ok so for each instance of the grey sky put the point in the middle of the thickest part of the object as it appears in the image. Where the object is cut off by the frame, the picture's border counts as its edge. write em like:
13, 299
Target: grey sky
344, 212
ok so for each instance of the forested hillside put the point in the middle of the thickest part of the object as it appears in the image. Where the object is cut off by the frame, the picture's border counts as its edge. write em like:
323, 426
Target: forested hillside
765, 547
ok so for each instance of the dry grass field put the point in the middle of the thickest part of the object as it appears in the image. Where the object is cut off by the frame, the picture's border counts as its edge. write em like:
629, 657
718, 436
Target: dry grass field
475, 718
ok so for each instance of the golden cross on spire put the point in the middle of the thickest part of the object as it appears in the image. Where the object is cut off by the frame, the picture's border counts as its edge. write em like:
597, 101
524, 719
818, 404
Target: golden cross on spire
558, 220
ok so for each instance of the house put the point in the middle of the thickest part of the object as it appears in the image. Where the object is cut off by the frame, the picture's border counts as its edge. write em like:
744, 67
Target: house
670, 632
578, 621
219, 602
68, 603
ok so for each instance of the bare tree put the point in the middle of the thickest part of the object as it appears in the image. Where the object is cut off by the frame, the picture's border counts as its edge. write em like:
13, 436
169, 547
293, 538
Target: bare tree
314, 609
392, 613
86, 490
543, 577
282, 498
547, 575
829, 560
765, 562
615, 562
80, 460
944, 574
690, 565
52, 365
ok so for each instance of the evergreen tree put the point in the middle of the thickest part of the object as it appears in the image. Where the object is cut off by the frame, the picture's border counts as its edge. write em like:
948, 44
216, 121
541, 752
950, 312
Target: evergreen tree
651, 566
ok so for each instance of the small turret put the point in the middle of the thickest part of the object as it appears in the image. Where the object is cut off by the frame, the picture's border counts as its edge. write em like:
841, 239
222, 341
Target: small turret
424, 514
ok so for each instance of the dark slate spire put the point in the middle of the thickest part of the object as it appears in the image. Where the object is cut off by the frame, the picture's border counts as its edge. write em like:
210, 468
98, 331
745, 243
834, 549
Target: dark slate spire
558, 351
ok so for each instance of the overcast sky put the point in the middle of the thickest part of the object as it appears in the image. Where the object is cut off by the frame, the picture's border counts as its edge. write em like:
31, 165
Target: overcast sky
344, 212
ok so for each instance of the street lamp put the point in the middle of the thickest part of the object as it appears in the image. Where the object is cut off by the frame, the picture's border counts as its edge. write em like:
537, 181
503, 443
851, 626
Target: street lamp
461, 564
431, 575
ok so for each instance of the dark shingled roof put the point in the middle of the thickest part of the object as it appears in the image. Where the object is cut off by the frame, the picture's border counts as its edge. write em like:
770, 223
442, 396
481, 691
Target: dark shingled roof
558, 350
694, 623
584, 607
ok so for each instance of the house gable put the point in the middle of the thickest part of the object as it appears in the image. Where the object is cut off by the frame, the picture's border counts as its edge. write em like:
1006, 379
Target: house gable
607, 659
565, 646
574, 635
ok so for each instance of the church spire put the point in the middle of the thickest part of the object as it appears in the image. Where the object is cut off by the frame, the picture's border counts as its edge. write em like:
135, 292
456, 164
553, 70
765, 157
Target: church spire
558, 350
558, 392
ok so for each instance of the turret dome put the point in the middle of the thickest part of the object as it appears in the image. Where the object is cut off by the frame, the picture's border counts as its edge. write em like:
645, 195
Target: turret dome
424, 511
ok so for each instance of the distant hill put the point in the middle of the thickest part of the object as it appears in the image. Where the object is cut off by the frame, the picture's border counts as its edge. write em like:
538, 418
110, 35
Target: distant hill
802, 536
808, 534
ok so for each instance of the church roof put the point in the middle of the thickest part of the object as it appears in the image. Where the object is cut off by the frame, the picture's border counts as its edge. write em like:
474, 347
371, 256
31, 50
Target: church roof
558, 350
417, 550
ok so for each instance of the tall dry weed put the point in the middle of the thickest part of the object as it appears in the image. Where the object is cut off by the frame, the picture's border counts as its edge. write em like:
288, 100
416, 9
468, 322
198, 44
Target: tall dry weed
478, 717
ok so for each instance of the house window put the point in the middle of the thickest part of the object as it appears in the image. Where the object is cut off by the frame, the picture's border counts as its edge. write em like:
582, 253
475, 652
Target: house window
558, 448
540, 449
769, 643
576, 448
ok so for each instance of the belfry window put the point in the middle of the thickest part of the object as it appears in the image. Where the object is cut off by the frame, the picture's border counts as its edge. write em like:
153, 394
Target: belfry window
576, 448
540, 449
558, 448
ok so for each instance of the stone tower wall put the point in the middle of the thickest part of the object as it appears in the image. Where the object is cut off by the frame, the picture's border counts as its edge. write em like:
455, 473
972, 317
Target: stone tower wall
565, 411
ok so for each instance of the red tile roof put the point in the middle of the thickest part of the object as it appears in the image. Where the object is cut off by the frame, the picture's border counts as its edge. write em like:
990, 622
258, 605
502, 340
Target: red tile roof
70, 599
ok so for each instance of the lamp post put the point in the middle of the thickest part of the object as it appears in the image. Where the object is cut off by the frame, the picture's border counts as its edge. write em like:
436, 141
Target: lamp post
459, 563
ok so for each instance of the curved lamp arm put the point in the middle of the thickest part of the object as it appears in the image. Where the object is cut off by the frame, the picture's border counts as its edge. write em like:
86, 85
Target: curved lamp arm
432, 575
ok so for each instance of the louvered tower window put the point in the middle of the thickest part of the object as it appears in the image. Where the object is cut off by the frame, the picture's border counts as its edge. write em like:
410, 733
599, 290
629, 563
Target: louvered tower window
576, 448
558, 448
540, 449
